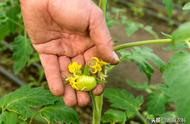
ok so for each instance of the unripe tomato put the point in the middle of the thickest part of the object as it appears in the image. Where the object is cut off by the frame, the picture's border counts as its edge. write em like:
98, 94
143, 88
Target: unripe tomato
85, 83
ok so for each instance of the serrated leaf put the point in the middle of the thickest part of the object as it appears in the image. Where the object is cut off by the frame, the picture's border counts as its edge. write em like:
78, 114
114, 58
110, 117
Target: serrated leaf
178, 83
22, 51
59, 114
12, 15
132, 27
151, 31
186, 6
4, 26
142, 56
169, 6
122, 99
182, 33
8, 118
9, 12
114, 116
25, 100
138, 86
156, 103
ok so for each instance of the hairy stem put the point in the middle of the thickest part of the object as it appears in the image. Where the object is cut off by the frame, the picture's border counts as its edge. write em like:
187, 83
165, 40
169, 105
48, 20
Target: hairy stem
98, 100
97, 108
141, 43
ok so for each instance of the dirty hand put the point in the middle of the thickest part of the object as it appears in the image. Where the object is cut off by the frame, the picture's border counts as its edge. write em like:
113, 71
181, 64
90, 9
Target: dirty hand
63, 31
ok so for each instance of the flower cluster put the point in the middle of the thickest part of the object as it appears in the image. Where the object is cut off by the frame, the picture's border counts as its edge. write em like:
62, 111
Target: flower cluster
85, 79
75, 68
97, 67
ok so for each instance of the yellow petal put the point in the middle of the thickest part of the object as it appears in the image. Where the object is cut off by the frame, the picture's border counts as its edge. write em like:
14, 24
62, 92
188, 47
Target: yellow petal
74, 68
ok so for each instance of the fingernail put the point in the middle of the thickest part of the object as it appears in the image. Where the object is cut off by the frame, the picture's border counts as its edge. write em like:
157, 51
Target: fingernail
116, 57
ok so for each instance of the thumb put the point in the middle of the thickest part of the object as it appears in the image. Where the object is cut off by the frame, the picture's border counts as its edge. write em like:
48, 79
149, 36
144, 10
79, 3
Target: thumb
100, 35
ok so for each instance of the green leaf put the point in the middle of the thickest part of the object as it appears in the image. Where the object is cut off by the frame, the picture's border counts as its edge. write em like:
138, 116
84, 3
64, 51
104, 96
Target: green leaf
4, 26
122, 99
186, 6
151, 31
176, 76
59, 114
22, 51
182, 33
169, 6
156, 103
142, 56
132, 27
25, 100
138, 86
114, 116
8, 118
9, 19
12, 15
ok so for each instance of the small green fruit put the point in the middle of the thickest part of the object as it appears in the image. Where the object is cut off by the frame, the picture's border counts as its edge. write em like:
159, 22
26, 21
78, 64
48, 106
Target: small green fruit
85, 83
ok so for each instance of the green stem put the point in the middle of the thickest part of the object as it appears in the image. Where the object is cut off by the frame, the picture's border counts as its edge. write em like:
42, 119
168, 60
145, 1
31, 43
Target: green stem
97, 108
98, 100
103, 6
140, 43
141, 117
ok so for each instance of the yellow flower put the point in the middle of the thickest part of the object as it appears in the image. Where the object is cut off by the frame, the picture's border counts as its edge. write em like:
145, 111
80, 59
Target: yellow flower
103, 63
96, 65
96, 68
99, 61
75, 68
102, 76
73, 81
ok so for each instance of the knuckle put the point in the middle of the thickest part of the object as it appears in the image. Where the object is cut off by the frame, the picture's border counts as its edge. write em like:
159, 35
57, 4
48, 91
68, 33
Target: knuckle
83, 100
69, 101
99, 13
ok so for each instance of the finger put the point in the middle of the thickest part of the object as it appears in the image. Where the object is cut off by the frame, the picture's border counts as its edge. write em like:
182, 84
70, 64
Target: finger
64, 63
92, 52
69, 96
52, 72
100, 34
99, 89
88, 55
83, 98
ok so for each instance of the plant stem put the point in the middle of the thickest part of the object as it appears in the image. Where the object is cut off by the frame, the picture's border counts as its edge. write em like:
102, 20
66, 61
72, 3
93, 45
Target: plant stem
141, 117
103, 6
97, 108
98, 100
140, 43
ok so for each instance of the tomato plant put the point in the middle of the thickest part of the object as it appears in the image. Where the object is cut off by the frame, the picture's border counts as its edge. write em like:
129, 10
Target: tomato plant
168, 99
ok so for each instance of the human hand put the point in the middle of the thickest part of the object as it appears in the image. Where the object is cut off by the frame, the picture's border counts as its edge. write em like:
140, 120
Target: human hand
63, 31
